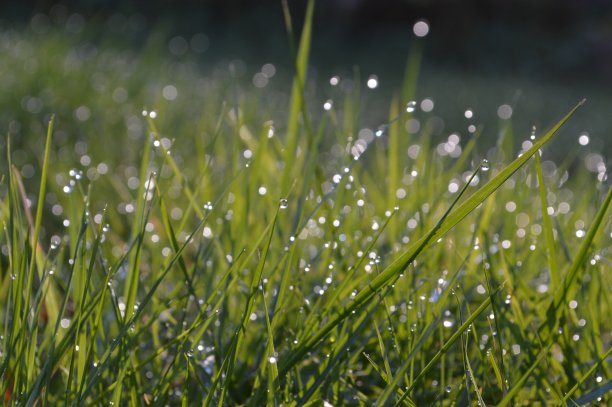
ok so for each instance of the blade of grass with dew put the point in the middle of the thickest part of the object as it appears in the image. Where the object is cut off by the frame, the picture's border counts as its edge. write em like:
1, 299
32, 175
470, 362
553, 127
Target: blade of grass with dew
556, 308
444, 349
519, 384
235, 346
448, 221
147, 298
36, 234
393, 167
130, 291
586, 375
500, 374
548, 229
270, 360
168, 159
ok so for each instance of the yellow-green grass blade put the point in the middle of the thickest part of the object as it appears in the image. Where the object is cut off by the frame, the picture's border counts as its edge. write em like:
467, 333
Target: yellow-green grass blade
297, 105
548, 230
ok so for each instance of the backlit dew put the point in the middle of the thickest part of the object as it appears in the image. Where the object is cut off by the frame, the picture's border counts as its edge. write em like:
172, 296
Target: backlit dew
271, 132
372, 82
272, 359
379, 132
283, 203
583, 139
334, 80
55, 242
144, 113
207, 232
468, 114
152, 114
169, 92
427, 105
484, 165
573, 304
448, 389
533, 133
504, 112
420, 28
448, 323
410, 106
328, 104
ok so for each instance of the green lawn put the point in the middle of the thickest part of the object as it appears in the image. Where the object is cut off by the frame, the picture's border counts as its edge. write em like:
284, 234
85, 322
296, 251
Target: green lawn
173, 234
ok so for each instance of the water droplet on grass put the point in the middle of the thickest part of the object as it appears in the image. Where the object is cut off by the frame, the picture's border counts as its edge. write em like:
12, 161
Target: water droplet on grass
283, 203
484, 165
410, 106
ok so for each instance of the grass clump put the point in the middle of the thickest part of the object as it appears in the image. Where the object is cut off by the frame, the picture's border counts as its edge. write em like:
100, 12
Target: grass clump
204, 250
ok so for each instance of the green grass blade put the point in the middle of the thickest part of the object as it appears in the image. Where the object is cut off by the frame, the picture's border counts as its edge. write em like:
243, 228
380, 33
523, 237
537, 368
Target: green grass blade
586, 375
297, 105
548, 229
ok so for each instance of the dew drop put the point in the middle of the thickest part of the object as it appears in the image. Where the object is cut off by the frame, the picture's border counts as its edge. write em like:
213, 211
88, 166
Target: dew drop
484, 165
283, 203
410, 106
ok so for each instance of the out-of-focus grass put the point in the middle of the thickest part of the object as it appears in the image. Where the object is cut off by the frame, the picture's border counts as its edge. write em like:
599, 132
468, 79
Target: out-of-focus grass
203, 240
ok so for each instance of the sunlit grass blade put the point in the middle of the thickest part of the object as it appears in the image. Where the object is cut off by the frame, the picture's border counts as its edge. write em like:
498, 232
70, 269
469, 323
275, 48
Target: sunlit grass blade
297, 104
130, 291
237, 339
548, 229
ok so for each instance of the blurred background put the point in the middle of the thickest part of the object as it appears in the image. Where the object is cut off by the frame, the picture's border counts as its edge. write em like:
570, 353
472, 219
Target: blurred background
540, 57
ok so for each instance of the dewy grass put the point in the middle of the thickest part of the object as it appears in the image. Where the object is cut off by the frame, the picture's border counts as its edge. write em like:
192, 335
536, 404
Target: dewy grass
223, 244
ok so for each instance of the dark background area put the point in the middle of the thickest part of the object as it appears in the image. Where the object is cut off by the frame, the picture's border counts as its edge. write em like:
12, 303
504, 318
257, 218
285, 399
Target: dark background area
550, 39
540, 56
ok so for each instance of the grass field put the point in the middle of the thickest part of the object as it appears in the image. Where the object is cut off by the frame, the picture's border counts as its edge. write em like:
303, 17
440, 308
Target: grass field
177, 238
